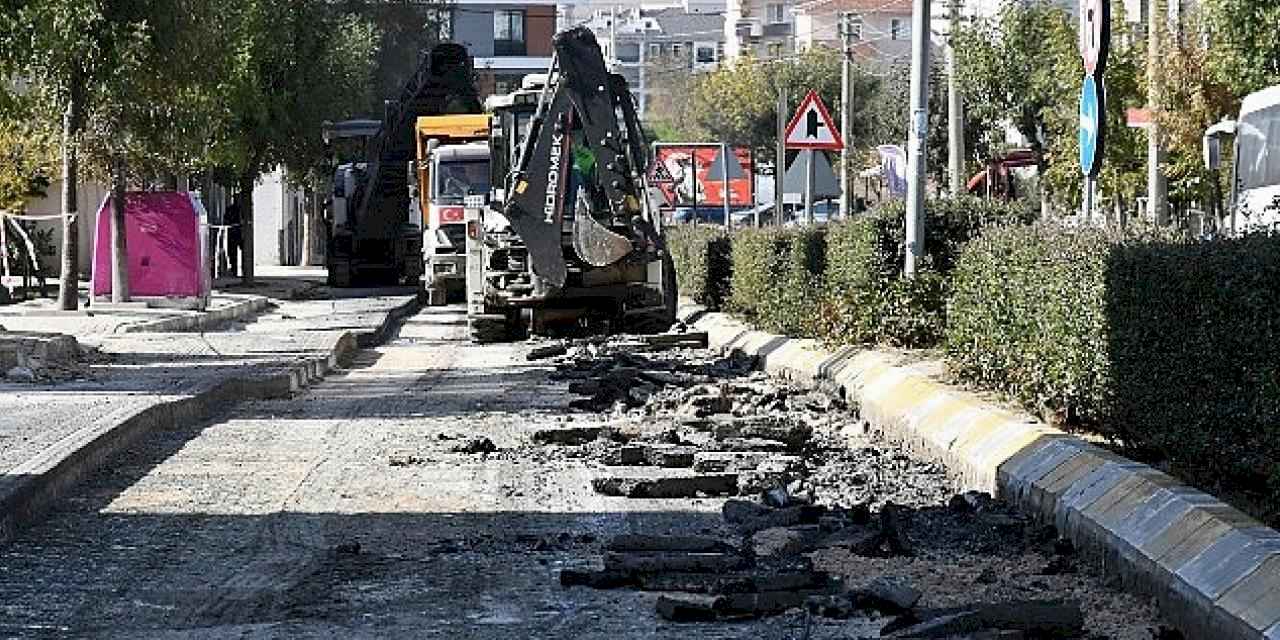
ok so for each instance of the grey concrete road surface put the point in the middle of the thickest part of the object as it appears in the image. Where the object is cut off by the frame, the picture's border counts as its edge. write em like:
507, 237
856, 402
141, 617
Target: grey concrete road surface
345, 512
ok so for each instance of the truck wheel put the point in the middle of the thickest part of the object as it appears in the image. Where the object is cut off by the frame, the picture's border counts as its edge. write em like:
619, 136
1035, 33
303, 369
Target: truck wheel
670, 289
488, 328
659, 319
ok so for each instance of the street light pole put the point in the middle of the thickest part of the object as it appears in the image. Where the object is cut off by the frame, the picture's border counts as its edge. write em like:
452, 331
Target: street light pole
918, 131
1157, 187
780, 165
955, 109
846, 97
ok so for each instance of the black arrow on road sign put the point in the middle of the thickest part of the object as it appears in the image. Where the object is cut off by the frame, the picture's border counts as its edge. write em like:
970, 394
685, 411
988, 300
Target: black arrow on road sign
812, 123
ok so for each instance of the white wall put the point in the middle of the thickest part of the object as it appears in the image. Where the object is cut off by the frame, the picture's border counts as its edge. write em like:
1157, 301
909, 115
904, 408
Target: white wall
277, 220
89, 199
268, 217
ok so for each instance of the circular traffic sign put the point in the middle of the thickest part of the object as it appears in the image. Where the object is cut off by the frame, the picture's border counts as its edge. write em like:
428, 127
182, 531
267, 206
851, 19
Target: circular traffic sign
1095, 34
1092, 124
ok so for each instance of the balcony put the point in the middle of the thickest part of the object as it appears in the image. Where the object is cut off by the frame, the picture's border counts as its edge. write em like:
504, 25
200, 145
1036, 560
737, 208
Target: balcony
777, 30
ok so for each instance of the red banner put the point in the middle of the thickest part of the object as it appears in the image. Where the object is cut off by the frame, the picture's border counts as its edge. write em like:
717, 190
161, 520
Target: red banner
676, 165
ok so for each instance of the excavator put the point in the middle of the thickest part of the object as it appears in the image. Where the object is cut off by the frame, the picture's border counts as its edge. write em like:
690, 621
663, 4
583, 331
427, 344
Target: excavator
567, 235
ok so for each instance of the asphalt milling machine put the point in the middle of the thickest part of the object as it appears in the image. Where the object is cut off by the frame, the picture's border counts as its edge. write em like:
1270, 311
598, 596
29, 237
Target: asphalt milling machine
568, 238
374, 236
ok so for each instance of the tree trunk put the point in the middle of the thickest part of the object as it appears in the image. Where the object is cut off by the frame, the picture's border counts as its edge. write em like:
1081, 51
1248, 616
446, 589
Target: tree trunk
119, 240
246, 225
69, 277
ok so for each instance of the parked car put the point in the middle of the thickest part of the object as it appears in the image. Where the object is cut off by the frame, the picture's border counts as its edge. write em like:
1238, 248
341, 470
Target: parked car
824, 211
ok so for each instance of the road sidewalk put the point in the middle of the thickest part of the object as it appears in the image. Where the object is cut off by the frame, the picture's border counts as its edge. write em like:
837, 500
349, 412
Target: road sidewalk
128, 383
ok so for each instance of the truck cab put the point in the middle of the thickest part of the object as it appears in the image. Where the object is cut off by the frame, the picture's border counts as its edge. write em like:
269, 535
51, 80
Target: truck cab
1255, 181
452, 165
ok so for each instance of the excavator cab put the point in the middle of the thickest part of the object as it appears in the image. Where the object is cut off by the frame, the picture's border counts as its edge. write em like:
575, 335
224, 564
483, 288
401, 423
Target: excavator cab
569, 235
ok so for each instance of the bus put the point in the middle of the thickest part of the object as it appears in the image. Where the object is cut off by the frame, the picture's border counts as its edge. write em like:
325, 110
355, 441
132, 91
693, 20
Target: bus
1255, 190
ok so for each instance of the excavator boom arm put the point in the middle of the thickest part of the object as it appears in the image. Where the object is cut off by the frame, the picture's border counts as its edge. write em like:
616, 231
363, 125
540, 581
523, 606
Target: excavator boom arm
579, 114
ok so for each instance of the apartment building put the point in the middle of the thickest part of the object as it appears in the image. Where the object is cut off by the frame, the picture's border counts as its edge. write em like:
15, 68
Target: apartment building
764, 29
881, 28
642, 43
506, 40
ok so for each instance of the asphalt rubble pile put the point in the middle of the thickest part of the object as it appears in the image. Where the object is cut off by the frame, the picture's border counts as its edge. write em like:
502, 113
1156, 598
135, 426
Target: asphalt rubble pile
681, 423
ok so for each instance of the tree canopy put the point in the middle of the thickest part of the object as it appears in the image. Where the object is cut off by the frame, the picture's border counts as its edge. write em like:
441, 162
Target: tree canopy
1245, 36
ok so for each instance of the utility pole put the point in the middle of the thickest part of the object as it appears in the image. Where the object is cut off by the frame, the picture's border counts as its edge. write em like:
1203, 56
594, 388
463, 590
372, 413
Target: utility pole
644, 67
119, 232
724, 182
780, 166
1157, 186
918, 132
613, 35
808, 188
955, 109
846, 108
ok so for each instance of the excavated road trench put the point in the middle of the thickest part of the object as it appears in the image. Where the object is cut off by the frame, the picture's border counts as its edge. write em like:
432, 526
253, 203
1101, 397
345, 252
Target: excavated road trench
431, 491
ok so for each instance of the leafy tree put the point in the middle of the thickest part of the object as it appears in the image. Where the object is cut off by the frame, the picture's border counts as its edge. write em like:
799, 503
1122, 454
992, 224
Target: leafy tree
119, 74
1023, 69
1245, 51
66, 49
293, 64
1011, 68
1197, 99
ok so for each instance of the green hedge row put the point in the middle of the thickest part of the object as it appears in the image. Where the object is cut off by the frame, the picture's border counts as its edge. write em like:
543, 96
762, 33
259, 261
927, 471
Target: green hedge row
776, 277
865, 299
1169, 347
841, 283
701, 255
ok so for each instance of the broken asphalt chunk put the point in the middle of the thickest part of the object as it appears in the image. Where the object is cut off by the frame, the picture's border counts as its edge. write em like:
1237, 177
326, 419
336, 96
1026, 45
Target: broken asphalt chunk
675, 561
1043, 617
687, 608
691, 340
597, 579
637, 542
888, 595
547, 351
673, 487
476, 445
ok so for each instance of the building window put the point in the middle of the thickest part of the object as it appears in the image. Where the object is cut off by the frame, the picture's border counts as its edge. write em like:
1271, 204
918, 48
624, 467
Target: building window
776, 13
677, 49
508, 33
704, 54
628, 52
774, 49
719, 51
442, 20
896, 30
655, 50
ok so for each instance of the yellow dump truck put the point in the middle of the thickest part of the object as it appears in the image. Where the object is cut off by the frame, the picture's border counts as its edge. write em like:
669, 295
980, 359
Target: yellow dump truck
452, 164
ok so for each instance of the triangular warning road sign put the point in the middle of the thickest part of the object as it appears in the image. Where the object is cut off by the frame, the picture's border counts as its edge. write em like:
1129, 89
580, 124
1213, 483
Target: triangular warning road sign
812, 128
660, 173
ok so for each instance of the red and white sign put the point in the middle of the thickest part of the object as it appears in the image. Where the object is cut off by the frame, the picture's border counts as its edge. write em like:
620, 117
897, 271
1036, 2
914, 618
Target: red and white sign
1094, 33
812, 127
1137, 118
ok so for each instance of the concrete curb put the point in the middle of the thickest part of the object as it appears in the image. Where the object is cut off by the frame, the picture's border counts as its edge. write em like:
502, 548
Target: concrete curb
28, 491
1214, 570
366, 339
200, 321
